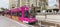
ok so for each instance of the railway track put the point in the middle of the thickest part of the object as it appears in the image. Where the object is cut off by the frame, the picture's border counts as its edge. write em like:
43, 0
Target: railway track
36, 25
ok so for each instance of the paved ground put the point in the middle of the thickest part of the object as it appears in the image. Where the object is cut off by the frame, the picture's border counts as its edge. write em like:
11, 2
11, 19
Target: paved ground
6, 22
49, 20
55, 18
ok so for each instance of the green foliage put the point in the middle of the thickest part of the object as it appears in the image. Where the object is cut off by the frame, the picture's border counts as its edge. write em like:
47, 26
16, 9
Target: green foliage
2, 9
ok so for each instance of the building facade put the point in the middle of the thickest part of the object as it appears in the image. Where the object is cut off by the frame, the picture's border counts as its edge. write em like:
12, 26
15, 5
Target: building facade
13, 3
19, 3
59, 3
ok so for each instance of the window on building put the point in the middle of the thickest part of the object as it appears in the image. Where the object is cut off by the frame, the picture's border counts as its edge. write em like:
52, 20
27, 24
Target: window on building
38, 11
13, 7
27, 0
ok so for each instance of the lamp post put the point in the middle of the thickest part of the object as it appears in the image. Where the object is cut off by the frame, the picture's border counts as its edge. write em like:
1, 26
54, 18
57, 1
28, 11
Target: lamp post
18, 5
36, 3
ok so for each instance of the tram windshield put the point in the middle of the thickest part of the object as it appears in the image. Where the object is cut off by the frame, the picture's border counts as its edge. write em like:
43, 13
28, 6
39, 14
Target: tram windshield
26, 14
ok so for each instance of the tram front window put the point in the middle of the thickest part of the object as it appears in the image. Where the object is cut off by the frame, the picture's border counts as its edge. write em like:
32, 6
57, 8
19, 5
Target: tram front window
26, 14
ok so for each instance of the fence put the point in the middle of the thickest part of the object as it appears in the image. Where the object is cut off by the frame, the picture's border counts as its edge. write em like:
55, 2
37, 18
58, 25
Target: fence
54, 19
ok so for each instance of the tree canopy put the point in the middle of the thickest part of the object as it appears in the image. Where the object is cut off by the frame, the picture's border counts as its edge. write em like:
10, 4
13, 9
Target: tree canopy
2, 9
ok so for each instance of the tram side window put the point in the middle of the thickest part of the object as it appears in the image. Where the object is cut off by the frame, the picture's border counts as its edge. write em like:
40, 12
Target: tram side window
26, 14
8, 13
19, 13
14, 14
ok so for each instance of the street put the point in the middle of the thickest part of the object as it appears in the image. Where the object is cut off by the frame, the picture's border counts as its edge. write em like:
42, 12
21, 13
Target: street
6, 22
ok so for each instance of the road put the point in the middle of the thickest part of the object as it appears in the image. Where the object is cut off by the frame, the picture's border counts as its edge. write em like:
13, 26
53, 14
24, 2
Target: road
6, 22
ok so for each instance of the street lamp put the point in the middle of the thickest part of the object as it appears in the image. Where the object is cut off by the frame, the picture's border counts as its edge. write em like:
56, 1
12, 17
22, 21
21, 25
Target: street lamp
18, 5
36, 3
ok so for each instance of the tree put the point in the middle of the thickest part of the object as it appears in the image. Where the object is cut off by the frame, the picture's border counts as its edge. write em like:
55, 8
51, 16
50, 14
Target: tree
2, 9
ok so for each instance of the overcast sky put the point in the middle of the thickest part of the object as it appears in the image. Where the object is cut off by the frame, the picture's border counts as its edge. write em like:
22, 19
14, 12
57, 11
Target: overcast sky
4, 3
51, 2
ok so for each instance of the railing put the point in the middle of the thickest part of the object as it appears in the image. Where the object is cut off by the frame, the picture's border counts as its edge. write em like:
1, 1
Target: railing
50, 18
50, 13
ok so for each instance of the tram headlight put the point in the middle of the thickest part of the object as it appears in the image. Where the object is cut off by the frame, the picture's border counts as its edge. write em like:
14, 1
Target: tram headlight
25, 21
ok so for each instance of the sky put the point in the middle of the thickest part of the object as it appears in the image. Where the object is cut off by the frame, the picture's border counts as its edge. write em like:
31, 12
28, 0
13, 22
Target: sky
4, 3
51, 2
